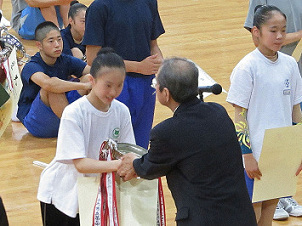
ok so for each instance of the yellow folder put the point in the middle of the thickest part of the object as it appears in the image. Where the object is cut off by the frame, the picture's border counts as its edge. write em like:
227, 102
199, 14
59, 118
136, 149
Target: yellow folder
280, 158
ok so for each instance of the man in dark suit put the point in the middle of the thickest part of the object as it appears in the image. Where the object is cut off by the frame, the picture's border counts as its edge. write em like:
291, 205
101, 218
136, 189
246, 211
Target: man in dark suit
198, 151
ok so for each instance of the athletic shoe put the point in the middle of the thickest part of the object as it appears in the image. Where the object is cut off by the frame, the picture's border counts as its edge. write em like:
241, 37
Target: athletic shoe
291, 206
3, 21
280, 214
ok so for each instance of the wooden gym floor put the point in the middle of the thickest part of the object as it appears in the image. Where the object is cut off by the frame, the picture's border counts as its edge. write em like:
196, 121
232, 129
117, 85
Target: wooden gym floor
209, 32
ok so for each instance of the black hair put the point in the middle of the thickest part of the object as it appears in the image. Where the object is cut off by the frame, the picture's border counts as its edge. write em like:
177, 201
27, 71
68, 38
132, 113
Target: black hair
106, 58
75, 7
180, 77
43, 29
73, 2
263, 13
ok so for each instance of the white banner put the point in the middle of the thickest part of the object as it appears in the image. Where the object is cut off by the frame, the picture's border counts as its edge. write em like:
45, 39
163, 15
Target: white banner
12, 86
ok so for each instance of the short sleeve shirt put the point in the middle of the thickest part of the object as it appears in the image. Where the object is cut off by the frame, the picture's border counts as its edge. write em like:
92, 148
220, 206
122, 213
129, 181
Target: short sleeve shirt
126, 26
269, 90
68, 42
82, 131
293, 11
64, 67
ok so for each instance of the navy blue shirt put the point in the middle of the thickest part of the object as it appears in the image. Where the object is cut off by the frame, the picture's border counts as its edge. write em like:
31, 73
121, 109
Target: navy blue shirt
68, 42
126, 26
64, 67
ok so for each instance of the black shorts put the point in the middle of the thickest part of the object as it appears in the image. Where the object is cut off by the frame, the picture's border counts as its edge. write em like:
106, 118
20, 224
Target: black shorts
51, 216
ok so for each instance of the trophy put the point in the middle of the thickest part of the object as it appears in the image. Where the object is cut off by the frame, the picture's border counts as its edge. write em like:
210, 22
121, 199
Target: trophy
7, 43
124, 148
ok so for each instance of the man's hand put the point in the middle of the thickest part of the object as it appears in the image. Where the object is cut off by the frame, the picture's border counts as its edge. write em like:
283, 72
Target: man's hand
251, 167
126, 169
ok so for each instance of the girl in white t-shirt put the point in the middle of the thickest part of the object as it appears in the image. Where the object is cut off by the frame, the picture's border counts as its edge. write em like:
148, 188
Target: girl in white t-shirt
266, 90
85, 124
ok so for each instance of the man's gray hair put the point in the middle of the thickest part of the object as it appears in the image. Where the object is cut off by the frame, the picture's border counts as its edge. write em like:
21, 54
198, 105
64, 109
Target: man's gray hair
180, 77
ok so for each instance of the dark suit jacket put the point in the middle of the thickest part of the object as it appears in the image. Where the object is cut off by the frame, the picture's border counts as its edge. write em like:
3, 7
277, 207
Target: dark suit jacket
198, 151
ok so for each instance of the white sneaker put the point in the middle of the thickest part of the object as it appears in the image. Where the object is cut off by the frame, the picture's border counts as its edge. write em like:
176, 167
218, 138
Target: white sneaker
291, 206
4, 21
14, 115
280, 214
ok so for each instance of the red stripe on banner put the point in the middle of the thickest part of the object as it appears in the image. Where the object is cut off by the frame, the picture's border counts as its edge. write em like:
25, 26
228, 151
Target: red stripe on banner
162, 211
105, 191
115, 212
104, 215
5, 66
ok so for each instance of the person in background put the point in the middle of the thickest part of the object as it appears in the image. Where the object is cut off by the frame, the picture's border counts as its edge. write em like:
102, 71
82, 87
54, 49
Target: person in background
131, 28
265, 72
50, 14
293, 11
27, 14
46, 87
73, 34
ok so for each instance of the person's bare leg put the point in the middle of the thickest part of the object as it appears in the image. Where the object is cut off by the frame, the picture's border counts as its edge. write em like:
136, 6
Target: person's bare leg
267, 212
50, 14
76, 52
257, 209
64, 9
56, 101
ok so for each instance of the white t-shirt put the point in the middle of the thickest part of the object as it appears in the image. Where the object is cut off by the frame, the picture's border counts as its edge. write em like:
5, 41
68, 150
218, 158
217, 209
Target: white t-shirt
291, 8
293, 11
82, 130
269, 90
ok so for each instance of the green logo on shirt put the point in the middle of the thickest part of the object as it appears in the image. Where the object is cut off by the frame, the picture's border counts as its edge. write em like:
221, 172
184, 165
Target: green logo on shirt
116, 133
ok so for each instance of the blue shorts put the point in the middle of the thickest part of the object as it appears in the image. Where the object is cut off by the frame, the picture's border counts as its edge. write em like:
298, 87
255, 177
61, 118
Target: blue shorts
249, 184
41, 121
30, 18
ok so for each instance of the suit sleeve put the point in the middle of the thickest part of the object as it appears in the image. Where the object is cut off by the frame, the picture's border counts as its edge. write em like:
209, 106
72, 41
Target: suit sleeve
159, 160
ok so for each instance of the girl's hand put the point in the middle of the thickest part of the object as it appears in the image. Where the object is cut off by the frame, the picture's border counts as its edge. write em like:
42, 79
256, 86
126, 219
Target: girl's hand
117, 164
251, 167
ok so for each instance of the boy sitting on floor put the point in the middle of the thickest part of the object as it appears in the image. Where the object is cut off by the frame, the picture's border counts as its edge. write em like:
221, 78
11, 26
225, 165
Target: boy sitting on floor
46, 87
